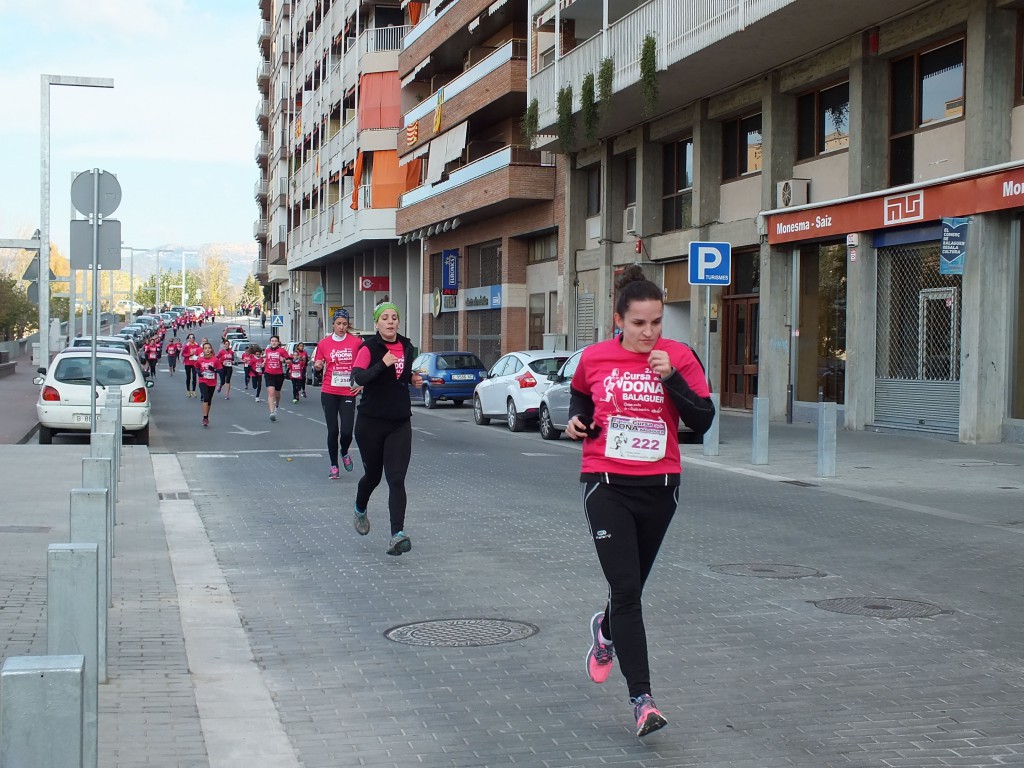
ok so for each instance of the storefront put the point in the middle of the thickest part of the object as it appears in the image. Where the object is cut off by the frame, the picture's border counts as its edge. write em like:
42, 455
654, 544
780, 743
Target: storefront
908, 305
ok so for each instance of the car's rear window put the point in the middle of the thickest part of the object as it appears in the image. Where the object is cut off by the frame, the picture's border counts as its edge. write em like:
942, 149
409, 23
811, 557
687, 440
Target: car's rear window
546, 365
110, 371
459, 362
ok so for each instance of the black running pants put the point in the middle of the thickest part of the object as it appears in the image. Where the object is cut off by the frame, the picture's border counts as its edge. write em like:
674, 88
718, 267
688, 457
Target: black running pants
190, 378
628, 524
385, 447
340, 415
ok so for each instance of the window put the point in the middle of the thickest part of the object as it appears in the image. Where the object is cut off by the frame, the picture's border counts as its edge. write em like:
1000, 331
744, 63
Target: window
823, 121
593, 191
676, 185
741, 147
542, 249
926, 88
630, 179
536, 320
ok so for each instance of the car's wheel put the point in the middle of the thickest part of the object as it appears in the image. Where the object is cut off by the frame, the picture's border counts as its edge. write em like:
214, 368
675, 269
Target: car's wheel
478, 412
45, 435
142, 436
547, 429
515, 421
457, 403
428, 399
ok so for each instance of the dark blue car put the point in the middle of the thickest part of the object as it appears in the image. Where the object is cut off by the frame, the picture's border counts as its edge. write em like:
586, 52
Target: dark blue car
448, 376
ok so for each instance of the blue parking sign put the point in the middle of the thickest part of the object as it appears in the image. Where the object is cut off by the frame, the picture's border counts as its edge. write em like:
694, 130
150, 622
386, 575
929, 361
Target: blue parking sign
710, 263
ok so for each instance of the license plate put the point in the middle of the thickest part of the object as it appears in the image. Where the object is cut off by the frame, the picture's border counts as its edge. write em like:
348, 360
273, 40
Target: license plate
462, 377
83, 418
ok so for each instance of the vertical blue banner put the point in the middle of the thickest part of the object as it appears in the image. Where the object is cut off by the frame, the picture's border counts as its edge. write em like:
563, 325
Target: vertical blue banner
954, 246
450, 271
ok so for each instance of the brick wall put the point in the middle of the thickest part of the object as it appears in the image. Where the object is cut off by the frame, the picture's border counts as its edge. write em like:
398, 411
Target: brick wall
454, 21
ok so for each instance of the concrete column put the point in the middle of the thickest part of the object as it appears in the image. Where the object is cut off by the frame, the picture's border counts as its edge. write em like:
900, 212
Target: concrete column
89, 523
610, 234
71, 625
991, 46
574, 234
96, 473
707, 205
779, 135
41, 709
107, 445
869, 137
861, 330
986, 329
648, 184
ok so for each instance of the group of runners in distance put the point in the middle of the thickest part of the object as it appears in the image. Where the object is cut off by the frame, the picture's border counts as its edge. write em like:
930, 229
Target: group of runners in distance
630, 467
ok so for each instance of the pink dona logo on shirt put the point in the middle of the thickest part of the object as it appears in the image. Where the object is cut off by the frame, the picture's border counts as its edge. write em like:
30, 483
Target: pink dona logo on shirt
631, 389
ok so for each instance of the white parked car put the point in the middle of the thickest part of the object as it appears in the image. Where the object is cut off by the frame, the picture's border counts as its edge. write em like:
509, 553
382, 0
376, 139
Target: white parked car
117, 342
513, 387
65, 405
554, 403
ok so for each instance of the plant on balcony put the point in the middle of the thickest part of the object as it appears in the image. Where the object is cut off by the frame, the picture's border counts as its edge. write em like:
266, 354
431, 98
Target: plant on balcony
588, 107
529, 124
566, 120
604, 81
649, 74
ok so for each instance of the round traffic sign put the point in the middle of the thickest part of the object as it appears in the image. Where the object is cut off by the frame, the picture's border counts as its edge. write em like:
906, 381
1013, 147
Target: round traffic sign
87, 194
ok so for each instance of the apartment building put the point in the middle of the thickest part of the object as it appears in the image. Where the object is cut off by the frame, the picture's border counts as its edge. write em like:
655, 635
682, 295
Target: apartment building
484, 212
331, 178
864, 160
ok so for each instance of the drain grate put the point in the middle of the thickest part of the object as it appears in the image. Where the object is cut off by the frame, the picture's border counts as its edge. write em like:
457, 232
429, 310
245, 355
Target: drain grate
767, 570
175, 496
461, 633
880, 607
24, 529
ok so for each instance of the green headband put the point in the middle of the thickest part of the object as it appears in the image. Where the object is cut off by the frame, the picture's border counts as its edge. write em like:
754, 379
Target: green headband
382, 307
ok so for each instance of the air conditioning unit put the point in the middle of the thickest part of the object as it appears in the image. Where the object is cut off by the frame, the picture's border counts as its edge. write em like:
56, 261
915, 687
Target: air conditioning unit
630, 215
594, 228
791, 192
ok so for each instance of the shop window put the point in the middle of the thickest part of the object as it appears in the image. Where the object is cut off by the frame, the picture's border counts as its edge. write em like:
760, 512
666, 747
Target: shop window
823, 121
677, 185
542, 249
821, 345
483, 264
926, 88
593, 191
742, 147
537, 306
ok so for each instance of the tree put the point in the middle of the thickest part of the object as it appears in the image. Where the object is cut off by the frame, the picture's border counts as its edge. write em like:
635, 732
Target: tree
251, 291
170, 289
213, 279
17, 313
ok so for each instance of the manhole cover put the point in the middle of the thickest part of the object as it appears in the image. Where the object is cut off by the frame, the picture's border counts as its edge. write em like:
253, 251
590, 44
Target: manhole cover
767, 570
880, 607
461, 633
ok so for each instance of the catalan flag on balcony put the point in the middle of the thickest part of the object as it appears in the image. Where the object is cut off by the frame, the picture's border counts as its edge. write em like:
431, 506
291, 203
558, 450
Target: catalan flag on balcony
412, 134
437, 110
298, 127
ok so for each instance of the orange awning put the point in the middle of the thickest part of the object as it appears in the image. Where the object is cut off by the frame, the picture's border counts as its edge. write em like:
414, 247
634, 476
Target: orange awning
357, 180
389, 179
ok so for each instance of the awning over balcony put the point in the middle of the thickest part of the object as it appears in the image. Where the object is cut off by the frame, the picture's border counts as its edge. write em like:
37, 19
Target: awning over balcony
445, 148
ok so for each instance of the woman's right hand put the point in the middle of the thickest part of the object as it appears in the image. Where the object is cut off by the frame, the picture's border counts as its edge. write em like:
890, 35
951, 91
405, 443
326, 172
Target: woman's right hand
389, 359
576, 429
318, 365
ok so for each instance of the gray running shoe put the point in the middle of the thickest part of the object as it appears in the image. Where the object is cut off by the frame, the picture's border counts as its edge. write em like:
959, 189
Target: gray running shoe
362, 522
399, 543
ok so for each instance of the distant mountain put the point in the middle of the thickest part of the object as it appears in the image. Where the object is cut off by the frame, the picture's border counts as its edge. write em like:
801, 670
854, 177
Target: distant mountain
239, 258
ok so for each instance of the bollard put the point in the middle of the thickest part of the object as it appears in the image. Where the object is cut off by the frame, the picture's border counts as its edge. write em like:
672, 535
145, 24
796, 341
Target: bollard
826, 440
89, 523
711, 436
71, 626
41, 711
98, 473
759, 451
102, 445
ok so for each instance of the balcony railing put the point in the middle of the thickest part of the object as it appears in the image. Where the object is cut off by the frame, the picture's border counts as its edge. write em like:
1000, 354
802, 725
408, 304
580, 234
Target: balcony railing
428, 20
263, 33
262, 71
513, 49
377, 39
259, 228
262, 110
260, 190
261, 149
681, 30
260, 266
512, 155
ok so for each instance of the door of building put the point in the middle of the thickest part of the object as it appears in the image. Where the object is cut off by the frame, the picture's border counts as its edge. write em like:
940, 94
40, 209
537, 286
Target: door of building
741, 315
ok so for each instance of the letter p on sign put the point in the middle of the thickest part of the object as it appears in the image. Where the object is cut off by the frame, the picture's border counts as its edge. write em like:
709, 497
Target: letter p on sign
710, 263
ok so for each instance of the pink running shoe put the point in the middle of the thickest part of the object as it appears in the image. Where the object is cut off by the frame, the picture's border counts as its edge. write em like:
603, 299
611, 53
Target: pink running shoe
648, 718
347, 461
335, 474
600, 656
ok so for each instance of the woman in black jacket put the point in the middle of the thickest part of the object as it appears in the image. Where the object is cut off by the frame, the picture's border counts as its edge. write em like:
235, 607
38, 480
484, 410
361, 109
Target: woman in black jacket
383, 432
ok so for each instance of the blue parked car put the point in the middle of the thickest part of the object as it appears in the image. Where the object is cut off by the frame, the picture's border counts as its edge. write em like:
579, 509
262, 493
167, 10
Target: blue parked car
448, 376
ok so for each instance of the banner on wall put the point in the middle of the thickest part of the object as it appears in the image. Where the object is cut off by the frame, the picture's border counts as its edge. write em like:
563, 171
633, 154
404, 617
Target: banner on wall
450, 271
954, 245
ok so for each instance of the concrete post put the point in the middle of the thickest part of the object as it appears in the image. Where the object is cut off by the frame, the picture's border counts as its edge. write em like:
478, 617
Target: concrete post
989, 86
41, 711
707, 205
71, 626
104, 445
711, 436
869, 139
826, 439
97, 473
89, 516
861, 332
759, 448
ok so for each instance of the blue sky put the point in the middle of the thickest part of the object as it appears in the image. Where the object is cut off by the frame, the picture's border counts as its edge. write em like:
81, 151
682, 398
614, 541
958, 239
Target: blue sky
178, 129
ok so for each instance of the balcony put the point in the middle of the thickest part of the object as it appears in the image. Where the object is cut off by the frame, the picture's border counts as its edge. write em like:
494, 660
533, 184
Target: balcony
259, 229
503, 181
429, 19
513, 49
262, 112
703, 46
259, 191
259, 269
339, 229
263, 38
380, 39
260, 152
262, 73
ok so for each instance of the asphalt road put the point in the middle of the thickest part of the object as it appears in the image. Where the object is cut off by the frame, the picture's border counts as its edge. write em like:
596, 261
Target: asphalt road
750, 671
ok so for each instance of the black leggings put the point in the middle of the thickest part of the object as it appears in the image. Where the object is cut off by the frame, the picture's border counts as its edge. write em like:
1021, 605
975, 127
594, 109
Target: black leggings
628, 524
257, 382
225, 374
297, 386
206, 392
340, 414
190, 378
172, 361
385, 447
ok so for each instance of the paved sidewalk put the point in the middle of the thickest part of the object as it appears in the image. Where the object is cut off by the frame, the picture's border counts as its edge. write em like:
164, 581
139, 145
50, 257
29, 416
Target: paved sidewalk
18, 397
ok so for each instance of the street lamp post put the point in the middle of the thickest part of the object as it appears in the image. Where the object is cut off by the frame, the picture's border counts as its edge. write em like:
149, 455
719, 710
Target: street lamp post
159, 251
131, 270
44, 197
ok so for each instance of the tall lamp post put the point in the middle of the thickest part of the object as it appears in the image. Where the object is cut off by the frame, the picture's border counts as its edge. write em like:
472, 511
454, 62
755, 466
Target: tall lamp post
131, 269
159, 251
44, 197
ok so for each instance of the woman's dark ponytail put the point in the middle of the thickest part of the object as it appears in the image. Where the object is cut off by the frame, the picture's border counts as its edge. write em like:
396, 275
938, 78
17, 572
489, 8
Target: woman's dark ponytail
633, 286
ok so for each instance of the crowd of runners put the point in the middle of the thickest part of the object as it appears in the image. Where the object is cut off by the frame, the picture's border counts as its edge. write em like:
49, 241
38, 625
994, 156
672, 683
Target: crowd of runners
630, 468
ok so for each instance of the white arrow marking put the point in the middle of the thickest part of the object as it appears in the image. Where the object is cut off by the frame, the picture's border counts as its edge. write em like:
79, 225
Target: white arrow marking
243, 431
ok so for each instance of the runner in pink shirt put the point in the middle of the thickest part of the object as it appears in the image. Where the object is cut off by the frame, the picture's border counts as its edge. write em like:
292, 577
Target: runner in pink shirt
334, 357
227, 361
297, 371
275, 358
627, 397
190, 354
207, 367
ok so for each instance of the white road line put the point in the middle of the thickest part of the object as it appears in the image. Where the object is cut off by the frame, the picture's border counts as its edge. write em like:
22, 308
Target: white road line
216, 455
